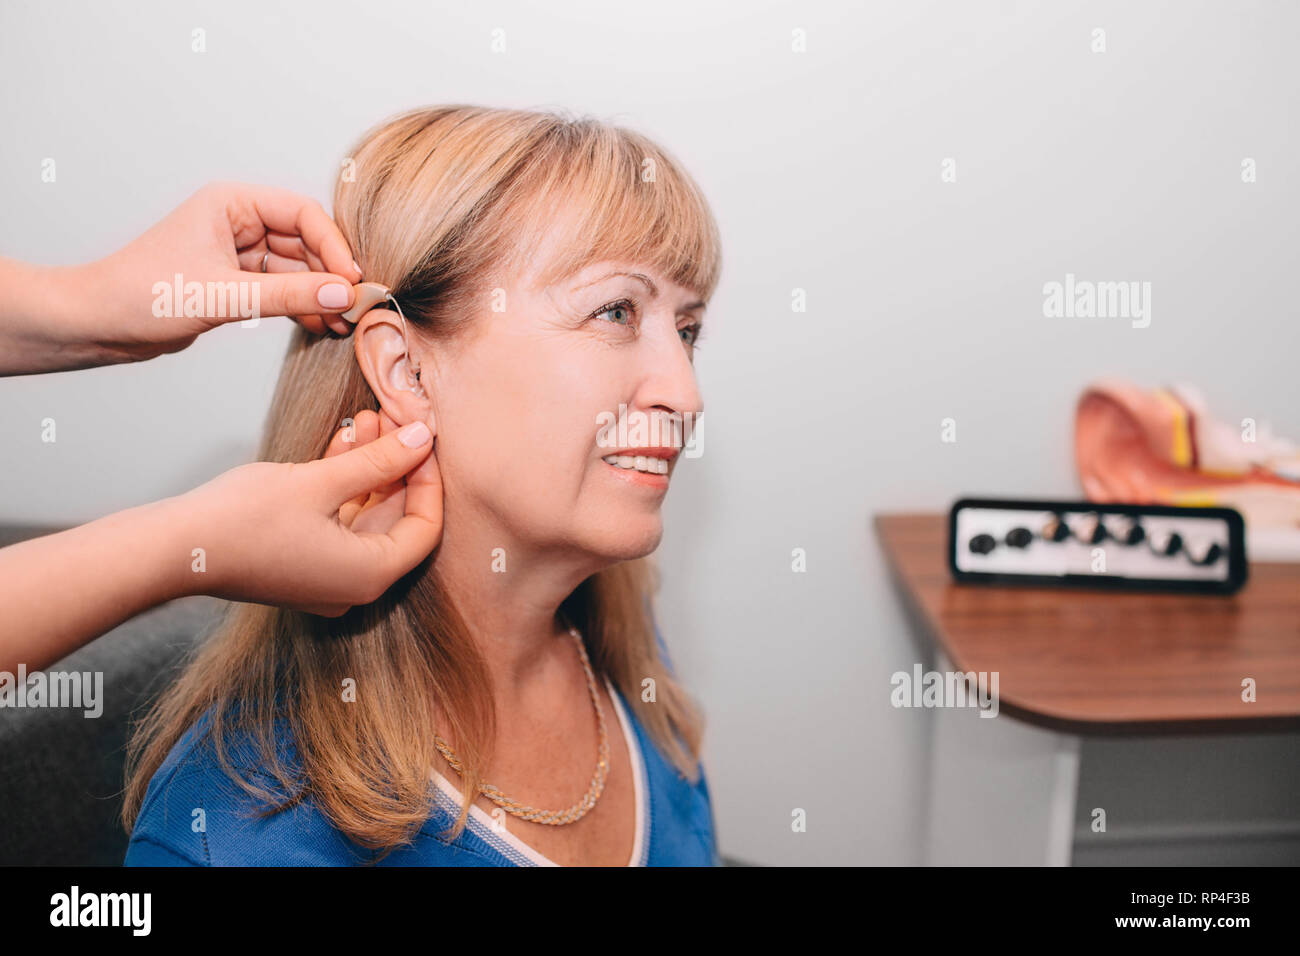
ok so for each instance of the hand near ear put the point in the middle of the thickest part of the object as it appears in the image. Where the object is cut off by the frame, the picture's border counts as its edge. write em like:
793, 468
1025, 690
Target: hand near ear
326, 535
378, 509
230, 252
321, 537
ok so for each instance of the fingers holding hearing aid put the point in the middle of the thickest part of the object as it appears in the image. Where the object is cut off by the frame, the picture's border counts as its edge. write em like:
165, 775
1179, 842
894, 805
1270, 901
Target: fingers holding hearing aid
229, 253
281, 228
266, 251
276, 253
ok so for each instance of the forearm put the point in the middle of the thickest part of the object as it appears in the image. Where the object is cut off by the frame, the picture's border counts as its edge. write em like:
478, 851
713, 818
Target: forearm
63, 590
44, 314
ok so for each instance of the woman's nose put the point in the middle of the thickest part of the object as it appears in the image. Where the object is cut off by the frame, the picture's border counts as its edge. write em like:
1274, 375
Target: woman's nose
669, 381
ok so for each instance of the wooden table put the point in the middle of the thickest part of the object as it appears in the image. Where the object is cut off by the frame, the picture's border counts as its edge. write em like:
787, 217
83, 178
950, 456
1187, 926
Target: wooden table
1073, 663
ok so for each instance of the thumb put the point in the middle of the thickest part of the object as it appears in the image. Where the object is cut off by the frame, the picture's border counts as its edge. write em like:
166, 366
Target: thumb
300, 293
376, 463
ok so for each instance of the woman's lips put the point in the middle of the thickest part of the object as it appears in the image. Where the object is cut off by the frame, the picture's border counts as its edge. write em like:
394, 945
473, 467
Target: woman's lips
635, 476
649, 464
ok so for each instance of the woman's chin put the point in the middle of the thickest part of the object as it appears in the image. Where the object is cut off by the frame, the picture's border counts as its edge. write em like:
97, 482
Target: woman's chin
631, 539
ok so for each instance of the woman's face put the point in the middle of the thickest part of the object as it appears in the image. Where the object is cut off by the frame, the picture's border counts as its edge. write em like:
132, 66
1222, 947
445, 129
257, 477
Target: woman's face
528, 405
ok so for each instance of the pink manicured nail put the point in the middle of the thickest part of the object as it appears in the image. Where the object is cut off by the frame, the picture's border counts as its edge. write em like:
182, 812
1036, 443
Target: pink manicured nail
413, 435
332, 296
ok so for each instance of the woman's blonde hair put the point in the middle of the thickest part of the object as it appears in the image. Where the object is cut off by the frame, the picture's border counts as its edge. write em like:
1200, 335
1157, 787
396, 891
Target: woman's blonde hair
435, 203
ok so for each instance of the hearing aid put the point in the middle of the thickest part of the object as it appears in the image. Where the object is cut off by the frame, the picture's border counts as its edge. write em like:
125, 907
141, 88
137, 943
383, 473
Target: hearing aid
369, 295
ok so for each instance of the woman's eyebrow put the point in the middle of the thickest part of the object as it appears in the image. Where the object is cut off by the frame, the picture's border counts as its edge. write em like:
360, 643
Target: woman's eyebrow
654, 289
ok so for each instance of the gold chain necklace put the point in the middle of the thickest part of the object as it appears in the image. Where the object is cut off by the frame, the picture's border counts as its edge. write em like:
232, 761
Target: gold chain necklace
551, 817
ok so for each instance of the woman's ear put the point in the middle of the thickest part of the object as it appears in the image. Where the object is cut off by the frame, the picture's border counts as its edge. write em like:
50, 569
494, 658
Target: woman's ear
381, 355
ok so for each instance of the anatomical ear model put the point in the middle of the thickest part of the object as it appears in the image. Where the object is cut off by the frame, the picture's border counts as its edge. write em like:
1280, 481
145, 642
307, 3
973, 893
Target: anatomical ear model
1160, 446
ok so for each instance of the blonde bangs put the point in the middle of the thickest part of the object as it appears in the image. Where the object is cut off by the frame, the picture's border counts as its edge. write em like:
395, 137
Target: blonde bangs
610, 194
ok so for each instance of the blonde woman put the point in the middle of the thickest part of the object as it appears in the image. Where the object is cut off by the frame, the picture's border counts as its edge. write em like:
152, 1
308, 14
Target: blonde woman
507, 702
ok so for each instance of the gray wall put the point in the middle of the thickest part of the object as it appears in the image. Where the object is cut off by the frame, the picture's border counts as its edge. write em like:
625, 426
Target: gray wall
924, 298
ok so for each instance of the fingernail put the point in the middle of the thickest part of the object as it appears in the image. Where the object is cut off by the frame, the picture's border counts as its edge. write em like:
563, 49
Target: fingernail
413, 435
332, 296
355, 266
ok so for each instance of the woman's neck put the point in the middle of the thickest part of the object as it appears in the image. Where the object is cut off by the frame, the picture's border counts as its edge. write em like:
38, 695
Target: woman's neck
509, 597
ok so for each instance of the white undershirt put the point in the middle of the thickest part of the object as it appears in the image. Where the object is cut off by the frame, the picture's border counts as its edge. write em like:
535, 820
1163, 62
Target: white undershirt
488, 824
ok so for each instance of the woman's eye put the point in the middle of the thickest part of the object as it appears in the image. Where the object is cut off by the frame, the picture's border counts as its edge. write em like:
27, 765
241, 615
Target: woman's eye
694, 334
621, 312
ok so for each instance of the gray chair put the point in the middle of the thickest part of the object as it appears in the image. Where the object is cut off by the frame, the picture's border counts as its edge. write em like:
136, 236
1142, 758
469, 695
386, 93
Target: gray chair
61, 773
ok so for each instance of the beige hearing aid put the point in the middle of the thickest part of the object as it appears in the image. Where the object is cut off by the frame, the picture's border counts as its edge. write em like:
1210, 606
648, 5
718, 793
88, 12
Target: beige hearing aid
369, 295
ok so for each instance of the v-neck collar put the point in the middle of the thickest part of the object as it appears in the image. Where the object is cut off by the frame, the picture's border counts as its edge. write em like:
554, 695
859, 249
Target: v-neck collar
519, 853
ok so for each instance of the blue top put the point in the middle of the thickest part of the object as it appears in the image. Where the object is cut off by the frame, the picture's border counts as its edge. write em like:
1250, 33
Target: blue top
675, 821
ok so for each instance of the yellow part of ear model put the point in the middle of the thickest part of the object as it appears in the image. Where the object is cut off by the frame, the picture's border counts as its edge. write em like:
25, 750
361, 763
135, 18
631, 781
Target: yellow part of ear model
1180, 453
